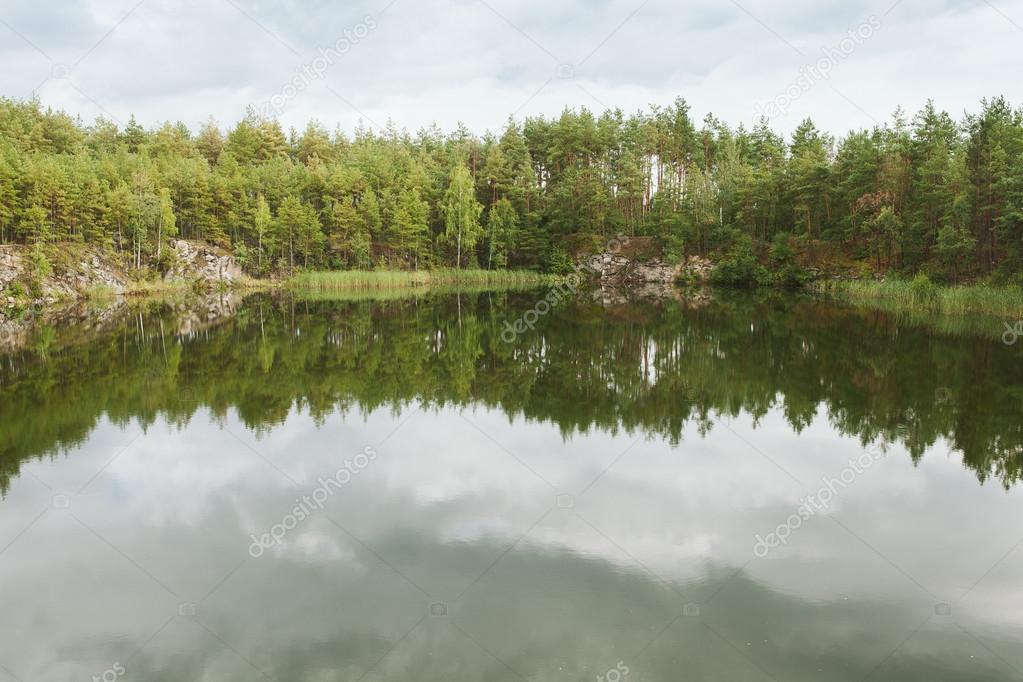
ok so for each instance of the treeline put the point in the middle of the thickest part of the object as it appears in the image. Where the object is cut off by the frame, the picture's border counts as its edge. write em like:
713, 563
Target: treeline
929, 194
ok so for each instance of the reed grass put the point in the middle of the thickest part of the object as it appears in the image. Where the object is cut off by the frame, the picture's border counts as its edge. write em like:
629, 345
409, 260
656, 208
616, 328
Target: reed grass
156, 287
337, 280
917, 297
99, 292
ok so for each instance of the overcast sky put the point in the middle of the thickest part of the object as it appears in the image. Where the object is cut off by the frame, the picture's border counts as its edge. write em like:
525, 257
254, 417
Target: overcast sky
477, 61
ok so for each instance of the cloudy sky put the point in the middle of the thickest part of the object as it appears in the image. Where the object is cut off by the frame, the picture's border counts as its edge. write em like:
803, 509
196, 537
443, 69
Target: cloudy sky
477, 61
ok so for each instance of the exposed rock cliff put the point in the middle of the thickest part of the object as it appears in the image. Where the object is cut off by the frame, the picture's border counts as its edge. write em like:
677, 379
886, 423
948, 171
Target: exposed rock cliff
618, 270
198, 261
76, 269
10, 266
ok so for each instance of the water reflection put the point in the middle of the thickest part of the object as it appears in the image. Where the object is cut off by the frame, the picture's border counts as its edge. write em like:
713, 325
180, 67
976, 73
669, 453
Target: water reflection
538, 510
640, 367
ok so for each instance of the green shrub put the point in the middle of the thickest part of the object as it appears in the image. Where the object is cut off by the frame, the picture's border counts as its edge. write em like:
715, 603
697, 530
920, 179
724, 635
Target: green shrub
786, 272
559, 262
674, 247
1007, 277
923, 291
99, 292
17, 290
791, 276
781, 250
41, 267
168, 259
242, 256
740, 267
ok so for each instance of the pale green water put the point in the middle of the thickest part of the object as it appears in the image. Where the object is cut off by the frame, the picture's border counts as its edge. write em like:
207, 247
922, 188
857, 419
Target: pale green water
580, 500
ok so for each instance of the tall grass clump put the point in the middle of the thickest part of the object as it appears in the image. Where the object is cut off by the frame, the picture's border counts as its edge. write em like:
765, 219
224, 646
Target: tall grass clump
401, 279
922, 295
99, 292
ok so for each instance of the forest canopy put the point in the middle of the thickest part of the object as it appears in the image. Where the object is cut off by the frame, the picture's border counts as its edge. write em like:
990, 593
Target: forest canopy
927, 193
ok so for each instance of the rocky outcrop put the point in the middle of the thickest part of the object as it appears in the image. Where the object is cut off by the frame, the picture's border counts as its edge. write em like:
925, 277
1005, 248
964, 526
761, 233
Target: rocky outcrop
619, 270
196, 261
696, 270
616, 270
88, 272
632, 271
10, 269
10, 266
78, 269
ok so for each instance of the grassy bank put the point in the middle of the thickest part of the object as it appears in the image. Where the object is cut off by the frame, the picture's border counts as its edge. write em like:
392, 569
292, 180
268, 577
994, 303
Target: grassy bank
922, 296
180, 287
398, 279
365, 284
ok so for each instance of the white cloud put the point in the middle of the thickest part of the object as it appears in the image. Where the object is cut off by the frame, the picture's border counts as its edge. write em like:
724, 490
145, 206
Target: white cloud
477, 62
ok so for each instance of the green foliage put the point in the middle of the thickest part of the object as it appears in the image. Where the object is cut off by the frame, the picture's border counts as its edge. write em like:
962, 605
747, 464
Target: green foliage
902, 296
462, 215
400, 279
954, 246
100, 292
781, 250
559, 262
168, 258
167, 221
787, 272
502, 231
262, 222
39, 262
923, 291
242, 256
17, 291
411, 228
740, 268
923, 195
759, 354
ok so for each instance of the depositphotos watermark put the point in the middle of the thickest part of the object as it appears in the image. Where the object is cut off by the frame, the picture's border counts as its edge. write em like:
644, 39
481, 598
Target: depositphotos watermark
315, 500
315, 69
565, 289
615, 674
811, 74
817, 502
1012, 333
555, 297
111, 674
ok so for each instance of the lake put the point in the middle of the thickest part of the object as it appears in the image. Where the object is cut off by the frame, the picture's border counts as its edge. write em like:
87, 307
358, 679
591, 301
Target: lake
481, 487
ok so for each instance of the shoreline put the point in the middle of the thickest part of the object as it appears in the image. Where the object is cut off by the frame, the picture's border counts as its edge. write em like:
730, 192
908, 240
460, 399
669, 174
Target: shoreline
203, 306
891, 295
85, 275
16, 299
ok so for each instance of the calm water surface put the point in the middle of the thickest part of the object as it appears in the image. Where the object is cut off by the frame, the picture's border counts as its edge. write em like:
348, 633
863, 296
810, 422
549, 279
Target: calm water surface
325, 490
